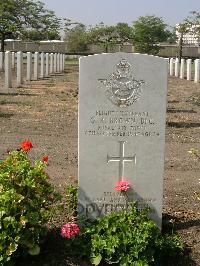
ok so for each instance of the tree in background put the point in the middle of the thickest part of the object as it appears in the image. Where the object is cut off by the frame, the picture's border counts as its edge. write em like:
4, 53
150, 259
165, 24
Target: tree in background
75, 36
194, 23
103, 35
148, 31
181, 28
189, 25
45, 27
35, 35
109, 36
124, 33
21, 18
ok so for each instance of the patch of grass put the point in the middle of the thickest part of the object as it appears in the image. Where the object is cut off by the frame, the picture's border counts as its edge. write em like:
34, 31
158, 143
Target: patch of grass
62, 96
4, 102
66, 79
70, 78
69, 95
71, 62
51, 83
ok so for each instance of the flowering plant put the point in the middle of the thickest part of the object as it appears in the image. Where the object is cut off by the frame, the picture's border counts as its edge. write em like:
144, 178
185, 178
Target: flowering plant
45, 159
26, 199
70, 230
26, 146
124, 238
122, 185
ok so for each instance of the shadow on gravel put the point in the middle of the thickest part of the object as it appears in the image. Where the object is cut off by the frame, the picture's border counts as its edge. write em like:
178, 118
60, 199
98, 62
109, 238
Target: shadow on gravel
53, 253
14, 103
173, 101
16, 94
3, 115
169, 110
183, 124
188, 224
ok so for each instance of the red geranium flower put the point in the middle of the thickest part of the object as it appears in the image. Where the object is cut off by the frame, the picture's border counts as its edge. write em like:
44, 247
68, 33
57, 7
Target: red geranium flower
45, 159
26, 146
70, 230
122, 186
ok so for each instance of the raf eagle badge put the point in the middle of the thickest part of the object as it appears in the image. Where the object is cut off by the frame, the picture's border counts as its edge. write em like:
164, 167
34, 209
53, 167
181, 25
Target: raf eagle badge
121, 87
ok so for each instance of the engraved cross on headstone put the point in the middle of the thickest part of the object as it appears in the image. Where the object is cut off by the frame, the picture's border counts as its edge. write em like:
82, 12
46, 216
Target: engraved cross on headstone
121, 159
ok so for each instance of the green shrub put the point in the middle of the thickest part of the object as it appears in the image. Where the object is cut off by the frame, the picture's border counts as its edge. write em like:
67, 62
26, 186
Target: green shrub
125, 238
26, 200
71, 200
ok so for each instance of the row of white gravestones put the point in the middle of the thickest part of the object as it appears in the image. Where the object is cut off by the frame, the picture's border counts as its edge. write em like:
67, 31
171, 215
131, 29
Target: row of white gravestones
49, 64
177, 68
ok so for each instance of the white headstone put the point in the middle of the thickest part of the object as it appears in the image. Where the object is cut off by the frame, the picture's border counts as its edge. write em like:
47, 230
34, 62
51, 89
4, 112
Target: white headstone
63, 62
55, 63
42, 65
176, 67
168, 60
29, 66
182, 69
58, 62
13, 59
122, 107
189, 63
51, 63
1, 60
196, 70
171, 66
36, 65
19, 68
8, 70
47, 65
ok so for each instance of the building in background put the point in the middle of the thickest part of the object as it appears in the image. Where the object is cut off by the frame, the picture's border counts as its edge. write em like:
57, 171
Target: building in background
52, 46
189, 38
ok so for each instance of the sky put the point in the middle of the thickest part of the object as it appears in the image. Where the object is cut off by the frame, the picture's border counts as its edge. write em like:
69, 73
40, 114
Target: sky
92, 12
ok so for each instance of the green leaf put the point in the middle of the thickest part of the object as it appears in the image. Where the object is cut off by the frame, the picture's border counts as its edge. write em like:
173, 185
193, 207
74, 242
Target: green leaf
2, 214
34, 251
96, 260
11, 249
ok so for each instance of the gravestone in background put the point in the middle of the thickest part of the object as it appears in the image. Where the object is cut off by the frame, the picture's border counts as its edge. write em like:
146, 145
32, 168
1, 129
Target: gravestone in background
122, 107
